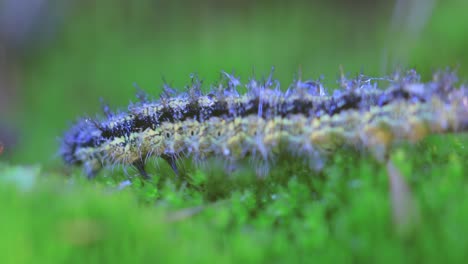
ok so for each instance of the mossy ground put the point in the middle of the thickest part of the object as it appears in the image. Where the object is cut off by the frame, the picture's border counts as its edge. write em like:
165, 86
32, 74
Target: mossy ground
342, 214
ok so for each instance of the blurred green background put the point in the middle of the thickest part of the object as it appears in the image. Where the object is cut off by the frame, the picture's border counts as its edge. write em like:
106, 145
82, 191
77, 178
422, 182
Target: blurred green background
59, 57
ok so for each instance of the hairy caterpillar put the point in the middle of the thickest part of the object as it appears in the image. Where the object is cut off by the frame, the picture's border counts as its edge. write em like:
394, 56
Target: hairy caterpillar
266, 122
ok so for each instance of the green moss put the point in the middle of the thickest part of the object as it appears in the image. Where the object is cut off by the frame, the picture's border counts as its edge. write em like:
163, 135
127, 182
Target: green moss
341, 214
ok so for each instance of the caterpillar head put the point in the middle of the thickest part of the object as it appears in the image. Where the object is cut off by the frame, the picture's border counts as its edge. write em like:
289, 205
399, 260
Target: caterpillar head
83, 134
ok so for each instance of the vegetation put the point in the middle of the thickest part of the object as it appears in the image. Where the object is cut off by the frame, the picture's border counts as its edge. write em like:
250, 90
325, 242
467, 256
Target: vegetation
342, 214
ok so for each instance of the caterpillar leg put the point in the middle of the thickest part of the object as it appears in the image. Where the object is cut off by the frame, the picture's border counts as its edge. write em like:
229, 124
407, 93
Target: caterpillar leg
91, 169
172, 162
140, 166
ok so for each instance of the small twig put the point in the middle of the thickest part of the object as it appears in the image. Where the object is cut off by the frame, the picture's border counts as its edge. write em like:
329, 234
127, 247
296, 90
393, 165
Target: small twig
404, 208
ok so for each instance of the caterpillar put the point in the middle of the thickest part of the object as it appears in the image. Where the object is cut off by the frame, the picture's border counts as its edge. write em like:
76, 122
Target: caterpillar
265, 122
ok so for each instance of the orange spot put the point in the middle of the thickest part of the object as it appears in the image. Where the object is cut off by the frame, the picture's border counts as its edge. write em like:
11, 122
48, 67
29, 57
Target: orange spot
379, 136
1, 148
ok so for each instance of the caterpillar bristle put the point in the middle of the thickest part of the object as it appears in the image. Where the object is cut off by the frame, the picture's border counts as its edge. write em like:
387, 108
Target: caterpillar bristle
232, 81
194, 89
264, 123
167, 91
140, 94
105, 108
